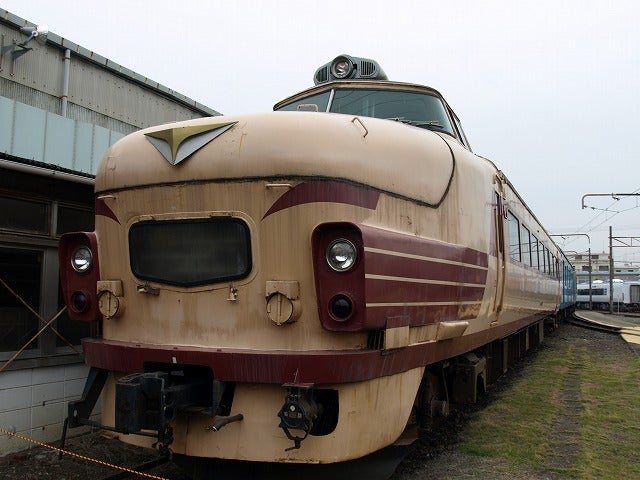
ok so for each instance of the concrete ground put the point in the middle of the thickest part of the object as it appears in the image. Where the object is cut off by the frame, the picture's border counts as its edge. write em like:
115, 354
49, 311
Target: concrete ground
628, 324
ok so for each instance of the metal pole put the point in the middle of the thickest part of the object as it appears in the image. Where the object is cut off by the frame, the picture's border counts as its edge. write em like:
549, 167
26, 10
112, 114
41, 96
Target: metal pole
610, 269
615, 196
590, 292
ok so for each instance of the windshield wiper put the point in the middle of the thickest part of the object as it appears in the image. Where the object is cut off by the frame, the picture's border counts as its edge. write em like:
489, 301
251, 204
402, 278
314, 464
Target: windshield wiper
429, 124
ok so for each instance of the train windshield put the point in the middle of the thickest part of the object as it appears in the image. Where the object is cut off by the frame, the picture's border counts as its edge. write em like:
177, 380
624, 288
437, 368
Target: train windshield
190, 252
316, 103
414, 108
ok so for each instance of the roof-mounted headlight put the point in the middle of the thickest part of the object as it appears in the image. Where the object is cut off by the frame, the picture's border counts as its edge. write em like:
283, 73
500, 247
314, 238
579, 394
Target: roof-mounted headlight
346, 67
342, 67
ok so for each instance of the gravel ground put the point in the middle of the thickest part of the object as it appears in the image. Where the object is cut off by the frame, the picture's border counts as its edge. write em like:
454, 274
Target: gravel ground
39, 463
433, 457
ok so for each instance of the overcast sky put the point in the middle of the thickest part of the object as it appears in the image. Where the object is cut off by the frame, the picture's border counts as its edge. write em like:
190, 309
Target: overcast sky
548, 90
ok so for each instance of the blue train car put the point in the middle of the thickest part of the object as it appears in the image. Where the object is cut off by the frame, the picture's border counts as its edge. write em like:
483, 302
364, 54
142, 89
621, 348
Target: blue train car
568, 302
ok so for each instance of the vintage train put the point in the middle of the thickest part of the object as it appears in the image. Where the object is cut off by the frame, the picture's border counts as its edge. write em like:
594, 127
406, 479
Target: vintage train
303, 285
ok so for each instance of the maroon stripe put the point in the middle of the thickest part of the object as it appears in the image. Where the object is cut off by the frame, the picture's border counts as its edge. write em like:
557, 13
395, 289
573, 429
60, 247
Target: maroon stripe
103, 209
391, 265
426, 314
387, 291
279, 367
326, 191
405, 291
399, 320
385, 240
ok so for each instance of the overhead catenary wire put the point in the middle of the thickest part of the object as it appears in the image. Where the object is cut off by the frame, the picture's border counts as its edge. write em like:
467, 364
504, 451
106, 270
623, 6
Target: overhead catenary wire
584, 228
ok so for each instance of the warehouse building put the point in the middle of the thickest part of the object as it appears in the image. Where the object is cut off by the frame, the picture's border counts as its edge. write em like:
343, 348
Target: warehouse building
61, 107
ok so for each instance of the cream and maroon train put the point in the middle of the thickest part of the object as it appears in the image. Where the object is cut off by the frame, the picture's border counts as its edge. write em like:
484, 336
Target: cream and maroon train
312, 282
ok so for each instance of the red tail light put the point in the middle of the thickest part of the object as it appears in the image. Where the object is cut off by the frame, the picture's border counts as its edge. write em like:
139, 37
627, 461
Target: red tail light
79, 274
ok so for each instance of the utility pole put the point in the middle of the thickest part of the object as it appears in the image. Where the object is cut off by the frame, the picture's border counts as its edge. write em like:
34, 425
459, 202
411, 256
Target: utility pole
628, 242
615, 196
610, 269
590, 292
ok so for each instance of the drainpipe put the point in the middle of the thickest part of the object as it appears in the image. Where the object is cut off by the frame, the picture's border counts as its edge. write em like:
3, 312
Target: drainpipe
65, 83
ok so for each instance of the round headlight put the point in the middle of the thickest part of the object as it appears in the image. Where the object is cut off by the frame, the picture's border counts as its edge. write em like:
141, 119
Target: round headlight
341, 67
82, 259
341, 255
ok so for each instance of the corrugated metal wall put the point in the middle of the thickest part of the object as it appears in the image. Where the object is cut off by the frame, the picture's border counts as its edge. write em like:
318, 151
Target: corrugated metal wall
92, 91
43, 71
100, 91
28, 95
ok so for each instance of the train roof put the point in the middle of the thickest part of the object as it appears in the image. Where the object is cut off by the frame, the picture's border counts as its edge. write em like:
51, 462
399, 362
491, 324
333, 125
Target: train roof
394, 99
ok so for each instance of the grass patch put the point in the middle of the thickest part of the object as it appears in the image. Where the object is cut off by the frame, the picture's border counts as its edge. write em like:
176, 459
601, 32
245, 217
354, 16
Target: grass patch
610, 434
516, 424
523, 425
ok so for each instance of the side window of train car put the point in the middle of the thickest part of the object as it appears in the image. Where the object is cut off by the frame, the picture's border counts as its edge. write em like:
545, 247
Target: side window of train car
458, 127
525, 240
514, 237
534, 253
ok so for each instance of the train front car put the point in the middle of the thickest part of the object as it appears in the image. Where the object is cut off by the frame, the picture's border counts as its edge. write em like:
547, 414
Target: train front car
272, 287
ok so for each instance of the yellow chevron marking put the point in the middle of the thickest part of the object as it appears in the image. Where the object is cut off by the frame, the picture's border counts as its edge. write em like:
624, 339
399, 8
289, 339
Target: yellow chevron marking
175, 136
